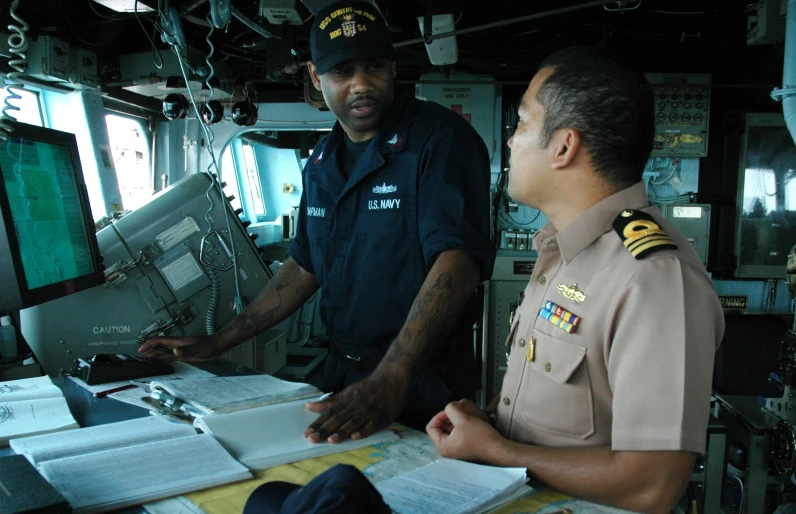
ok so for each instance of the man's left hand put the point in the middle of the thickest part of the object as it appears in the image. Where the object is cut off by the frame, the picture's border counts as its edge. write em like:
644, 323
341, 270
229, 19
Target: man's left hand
461, 432
357, 411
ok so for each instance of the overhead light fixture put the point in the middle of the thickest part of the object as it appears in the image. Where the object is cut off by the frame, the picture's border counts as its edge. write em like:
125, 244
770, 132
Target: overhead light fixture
125, 5
280, 12
445, 50
212, 112
175, 106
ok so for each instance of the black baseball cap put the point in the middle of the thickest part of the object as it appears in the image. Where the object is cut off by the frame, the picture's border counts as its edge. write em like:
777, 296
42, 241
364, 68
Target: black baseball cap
341, 489
348, 30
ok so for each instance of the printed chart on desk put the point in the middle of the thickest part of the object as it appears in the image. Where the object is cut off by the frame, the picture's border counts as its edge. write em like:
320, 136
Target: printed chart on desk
378, 463
553, 502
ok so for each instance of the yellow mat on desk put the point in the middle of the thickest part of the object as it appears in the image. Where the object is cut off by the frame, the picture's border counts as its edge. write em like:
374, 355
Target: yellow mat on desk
413, 450
231, 498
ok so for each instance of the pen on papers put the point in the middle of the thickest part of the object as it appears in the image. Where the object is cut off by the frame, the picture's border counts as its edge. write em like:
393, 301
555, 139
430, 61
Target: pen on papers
103, 394
325, 396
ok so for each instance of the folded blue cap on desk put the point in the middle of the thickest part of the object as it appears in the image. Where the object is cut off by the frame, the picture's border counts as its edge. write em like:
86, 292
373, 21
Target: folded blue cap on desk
341, 489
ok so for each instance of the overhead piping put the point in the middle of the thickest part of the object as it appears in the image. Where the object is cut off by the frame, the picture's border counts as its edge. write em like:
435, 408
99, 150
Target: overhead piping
153, 157
192, 5
428, 38
251, 24
788, 92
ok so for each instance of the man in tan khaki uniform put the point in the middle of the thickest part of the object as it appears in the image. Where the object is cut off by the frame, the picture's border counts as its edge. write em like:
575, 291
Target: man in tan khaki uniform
607, 392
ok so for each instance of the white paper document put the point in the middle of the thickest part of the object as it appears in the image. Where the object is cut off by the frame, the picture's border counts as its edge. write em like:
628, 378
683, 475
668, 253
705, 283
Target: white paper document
137, 396
453, 487
263, 437
135, 474
28, 389
127, 463
101, 437
227, 394
32, 406
176, 505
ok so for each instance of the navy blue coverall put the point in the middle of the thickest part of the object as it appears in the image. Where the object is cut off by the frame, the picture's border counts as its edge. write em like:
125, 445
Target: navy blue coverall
420, 188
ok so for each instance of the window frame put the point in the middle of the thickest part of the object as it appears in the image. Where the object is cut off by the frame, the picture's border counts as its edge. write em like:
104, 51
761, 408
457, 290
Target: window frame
254, 191
146, 133
27, 90
224, 174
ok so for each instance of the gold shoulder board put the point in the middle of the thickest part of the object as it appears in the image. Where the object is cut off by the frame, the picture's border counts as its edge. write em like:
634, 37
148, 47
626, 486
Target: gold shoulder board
640, 233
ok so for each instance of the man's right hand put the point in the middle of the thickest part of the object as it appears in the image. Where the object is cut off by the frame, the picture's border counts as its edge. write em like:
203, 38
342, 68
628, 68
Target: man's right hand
469, 408
462, 431
189, 349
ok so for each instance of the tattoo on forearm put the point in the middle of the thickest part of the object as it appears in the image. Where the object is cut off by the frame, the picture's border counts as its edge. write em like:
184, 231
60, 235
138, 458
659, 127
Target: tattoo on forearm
251, 322
429, 318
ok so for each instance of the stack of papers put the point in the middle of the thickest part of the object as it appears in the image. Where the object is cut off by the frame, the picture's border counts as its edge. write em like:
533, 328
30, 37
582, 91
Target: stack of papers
121, 464
227, 394
453, 487
263, 437
32, 406
101, 437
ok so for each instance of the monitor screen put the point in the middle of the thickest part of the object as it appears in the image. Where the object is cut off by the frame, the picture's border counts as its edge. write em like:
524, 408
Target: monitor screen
48, 248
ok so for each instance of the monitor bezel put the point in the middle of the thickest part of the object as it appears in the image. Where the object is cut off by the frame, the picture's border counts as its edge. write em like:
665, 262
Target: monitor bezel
29, 297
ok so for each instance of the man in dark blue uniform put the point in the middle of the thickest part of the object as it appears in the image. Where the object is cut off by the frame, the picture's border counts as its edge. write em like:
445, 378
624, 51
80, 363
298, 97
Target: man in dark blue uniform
394, 228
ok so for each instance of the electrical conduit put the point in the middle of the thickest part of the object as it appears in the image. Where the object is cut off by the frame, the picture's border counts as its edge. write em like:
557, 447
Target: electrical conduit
788, 91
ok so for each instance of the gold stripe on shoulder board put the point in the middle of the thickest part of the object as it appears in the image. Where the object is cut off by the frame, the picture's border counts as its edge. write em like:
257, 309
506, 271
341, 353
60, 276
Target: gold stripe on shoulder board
640, 234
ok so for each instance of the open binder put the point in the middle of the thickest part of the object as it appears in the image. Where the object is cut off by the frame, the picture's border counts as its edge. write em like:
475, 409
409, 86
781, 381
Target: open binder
107, 467
210, 395
254, 422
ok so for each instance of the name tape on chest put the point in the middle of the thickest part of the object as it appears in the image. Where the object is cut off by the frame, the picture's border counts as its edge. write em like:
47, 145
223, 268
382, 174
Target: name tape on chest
640, 234
384, 204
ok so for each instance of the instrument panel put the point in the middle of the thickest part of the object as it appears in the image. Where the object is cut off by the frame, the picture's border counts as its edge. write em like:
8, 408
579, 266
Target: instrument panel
682, 109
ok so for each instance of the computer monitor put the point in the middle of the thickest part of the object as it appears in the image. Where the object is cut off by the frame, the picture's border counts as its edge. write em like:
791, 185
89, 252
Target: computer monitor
171, 271
48, 248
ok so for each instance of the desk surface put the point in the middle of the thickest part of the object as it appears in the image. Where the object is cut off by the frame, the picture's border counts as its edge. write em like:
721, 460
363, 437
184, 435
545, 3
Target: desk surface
89, 411
377, 462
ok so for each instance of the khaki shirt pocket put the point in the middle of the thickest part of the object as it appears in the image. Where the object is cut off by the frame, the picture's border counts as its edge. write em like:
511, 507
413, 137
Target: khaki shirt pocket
555, 395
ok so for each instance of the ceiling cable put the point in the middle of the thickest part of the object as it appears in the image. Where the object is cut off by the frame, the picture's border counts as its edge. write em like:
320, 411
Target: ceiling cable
511, 21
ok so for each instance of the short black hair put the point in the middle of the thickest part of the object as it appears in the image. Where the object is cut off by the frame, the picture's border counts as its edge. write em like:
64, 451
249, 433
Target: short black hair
609, 104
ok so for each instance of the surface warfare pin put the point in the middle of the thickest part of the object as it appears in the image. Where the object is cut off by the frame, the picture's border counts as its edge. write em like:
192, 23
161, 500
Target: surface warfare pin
571, 292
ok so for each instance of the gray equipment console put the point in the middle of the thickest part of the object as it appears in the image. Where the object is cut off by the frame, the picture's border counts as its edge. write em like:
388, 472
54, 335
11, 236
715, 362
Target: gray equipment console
169, 271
